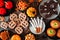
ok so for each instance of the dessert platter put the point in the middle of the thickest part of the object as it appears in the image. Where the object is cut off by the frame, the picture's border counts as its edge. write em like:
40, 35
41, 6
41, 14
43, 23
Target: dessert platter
29, 20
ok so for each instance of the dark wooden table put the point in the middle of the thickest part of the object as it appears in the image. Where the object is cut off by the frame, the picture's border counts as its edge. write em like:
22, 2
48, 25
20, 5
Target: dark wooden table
43, 36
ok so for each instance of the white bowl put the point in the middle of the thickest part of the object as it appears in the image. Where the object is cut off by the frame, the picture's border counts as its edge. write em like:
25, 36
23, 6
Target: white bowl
34, 31
52, 16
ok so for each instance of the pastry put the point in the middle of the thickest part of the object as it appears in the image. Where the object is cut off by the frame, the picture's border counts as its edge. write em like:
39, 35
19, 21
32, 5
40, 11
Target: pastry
24, 24
15, 37
22, 16
22, 5
18, 30
8, 5
31, 12
30, 37
13, 16
2, 18
12, 24
2, 11
4, 35
4, 25
1, 3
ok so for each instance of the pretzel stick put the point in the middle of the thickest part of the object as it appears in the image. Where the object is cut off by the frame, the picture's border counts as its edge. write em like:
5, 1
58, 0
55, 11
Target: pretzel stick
32, 25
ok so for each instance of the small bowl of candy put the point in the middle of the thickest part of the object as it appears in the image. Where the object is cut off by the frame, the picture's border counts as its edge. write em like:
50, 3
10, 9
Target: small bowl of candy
49, 9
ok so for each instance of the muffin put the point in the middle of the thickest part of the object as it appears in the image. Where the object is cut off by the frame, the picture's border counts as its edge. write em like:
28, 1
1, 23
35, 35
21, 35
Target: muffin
30, 37
15, 37
21, 5
31, 12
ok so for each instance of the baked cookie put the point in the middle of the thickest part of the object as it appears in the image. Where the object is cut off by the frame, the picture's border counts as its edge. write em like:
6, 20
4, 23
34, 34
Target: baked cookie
22, 16
24, 24
18, 30
30, 37
13, 16
4, 25
21, 5
12, 24
2, 18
